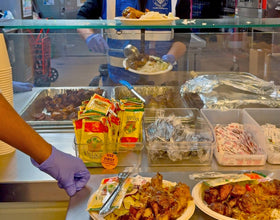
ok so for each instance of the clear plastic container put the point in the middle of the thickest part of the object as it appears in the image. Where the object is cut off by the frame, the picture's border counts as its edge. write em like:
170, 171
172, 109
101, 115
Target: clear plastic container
128, 154
177, 137
250, 126
267, 116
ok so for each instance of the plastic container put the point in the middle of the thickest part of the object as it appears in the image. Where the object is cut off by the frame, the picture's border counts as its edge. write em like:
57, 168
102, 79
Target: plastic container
250, 126
267, 116
128, 154
177, 137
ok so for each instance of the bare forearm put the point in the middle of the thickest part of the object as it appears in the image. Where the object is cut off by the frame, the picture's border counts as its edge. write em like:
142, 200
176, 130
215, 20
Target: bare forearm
17, 133
85, 32
178, 49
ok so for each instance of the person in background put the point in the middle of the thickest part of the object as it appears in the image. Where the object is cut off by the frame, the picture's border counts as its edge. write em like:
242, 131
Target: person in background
158, 43
70, 172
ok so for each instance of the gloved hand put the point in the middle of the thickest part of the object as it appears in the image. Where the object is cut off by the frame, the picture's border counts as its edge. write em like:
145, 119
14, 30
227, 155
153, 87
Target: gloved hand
169, 58
22, 86
96, 43
70, 172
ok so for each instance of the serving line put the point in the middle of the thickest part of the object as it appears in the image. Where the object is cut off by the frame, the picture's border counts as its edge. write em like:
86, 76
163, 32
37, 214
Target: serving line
78, 203
17, 168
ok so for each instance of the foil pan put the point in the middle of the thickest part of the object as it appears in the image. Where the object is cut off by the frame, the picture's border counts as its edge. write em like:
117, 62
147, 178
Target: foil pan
36, 105
155, 96
229, 90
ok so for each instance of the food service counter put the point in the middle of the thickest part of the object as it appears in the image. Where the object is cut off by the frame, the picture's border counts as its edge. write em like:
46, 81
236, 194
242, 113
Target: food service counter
78, 203
17, 168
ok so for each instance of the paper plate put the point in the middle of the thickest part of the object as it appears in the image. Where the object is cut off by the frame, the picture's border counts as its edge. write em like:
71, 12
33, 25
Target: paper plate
132, 21
187, 214
139, 71
197, 194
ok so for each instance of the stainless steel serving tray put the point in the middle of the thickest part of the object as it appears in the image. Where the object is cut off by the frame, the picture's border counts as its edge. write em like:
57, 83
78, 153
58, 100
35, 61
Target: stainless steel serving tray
35, 105
155, 96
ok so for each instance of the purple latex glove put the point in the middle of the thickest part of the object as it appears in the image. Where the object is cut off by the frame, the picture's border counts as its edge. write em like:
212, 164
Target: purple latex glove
169, 58
96, 43
22, 86
70, 172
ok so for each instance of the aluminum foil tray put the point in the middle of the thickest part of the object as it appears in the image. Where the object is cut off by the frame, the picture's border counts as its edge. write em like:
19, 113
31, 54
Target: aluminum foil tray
36, 105
229, 90
155, 96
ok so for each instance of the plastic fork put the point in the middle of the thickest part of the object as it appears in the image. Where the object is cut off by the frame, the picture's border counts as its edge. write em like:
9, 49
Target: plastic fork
106, 208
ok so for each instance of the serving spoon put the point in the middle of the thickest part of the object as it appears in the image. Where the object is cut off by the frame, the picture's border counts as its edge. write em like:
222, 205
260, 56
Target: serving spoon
131, 51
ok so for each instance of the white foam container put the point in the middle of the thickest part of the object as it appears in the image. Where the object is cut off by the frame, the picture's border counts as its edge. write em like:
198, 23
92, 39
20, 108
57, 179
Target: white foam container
215, 117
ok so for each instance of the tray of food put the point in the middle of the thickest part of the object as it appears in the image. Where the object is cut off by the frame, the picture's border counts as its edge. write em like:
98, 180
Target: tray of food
229, 90
129, 203
269, 122
177, 137
148, 65
155, 96
132, 16
248, 195
56, 106
239, 140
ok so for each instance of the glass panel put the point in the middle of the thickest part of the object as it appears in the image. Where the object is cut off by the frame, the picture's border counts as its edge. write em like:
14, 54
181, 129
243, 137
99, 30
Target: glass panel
67, 52
63, 54
97, 24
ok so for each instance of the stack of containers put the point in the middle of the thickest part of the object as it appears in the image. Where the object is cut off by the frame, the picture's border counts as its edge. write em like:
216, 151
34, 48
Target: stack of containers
6, 86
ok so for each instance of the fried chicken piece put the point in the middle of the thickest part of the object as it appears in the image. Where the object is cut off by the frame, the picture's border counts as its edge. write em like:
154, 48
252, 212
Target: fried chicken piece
232, 202
135, 213
156, 181
130, 12
148, 214
163, 216
225, 191
155, 208
238, 190
211, 195
217, 207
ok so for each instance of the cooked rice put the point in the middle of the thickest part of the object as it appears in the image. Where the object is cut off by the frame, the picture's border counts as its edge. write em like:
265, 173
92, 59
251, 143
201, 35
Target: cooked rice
154, 66
155, 15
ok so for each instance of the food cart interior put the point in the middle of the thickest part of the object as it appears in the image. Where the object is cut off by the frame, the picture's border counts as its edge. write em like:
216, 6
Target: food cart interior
230, 64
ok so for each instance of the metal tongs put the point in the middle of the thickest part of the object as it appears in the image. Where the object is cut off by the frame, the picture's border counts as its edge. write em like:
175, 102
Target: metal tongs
106, 208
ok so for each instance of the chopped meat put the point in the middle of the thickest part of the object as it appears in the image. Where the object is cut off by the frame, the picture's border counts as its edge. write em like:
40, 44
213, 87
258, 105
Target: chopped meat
64, 106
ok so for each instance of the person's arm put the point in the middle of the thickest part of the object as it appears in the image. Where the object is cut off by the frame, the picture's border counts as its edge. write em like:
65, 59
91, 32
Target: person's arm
91, 9
178, 49
70, 172
17, 133
85, 33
